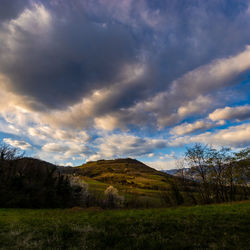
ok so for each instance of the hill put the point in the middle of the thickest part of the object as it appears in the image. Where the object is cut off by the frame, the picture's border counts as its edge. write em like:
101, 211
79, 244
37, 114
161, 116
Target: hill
224, 226
141, 185
29, 182
33, 183
127, 172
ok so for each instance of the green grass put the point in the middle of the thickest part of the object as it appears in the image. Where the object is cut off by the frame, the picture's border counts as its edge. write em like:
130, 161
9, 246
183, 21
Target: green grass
225, 226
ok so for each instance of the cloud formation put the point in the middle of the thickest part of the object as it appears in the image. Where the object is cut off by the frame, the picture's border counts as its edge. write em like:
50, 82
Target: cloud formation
230, 113
187, 128
234, 136
90, 79
125, 145
17, 144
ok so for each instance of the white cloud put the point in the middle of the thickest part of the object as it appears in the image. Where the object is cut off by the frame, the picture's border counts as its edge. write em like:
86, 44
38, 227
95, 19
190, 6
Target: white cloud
17, 144
107, 122
67, 149
33, 20
162, 165
144, 90
196, 106
69, 164
125, 145
54, 147
187, 128
47, 133
239, 113
183, 92
234, 136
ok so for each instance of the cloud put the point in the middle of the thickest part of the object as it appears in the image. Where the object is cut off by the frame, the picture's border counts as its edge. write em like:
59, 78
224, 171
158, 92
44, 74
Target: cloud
75, 71
46, 133
50, 53
18, 144
69, 164
45, 58
239, 113
187, 128
66, 150
53, 147
203, 80
11, 9
107, 122
162, 165
234, 136
198, 105
125, 145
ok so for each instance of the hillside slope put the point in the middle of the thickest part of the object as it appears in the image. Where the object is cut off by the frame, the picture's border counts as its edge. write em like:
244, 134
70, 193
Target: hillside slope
127, 172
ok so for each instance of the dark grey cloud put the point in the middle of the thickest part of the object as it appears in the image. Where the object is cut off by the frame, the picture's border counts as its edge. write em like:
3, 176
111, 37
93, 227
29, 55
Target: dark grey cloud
67, 62
10, 9
87, 45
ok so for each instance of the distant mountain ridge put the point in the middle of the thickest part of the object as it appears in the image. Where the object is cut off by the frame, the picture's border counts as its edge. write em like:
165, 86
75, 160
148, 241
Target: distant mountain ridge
173, 171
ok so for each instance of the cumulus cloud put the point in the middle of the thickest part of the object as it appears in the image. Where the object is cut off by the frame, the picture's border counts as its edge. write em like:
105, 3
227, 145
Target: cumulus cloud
18, 144
162, 165
187, 128
72, 71
66, 150
47, 132
125, 145
234, 136
239, 113
184, 91
53, 147
50, 52
45, 58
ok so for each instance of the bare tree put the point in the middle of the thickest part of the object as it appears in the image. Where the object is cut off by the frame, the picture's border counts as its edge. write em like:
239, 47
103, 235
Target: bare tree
242, 170
8, 153
220, 172
219, 162
197, 158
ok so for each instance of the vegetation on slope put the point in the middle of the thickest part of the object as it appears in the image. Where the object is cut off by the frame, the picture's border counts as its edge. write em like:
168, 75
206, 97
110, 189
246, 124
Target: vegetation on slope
128, 172
141, 185
224, 226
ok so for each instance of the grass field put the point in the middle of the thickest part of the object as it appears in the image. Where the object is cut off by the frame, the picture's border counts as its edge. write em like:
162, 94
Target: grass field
225, 226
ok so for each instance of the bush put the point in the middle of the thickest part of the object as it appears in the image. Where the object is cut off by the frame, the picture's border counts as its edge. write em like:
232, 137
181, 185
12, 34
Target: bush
112, 198
80, 192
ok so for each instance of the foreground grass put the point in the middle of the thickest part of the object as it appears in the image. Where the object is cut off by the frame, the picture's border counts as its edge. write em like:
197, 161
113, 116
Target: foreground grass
225, 226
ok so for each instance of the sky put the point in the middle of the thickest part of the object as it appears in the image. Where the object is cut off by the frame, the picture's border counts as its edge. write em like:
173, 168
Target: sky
83, 80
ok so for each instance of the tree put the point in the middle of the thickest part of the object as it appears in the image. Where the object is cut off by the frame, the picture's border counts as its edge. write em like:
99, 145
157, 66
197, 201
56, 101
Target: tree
219, 162
220, 172
183, 182
197, 158
8, 153
242, 170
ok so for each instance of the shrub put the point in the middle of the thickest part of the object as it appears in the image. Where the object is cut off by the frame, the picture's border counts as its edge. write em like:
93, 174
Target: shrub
112, 198
80, 192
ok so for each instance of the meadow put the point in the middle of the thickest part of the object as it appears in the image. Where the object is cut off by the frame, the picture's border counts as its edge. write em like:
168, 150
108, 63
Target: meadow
224, 226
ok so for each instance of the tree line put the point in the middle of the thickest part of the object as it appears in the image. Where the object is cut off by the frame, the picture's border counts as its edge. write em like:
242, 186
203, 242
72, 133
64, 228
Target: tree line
219, 175
32, 183
205, 175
